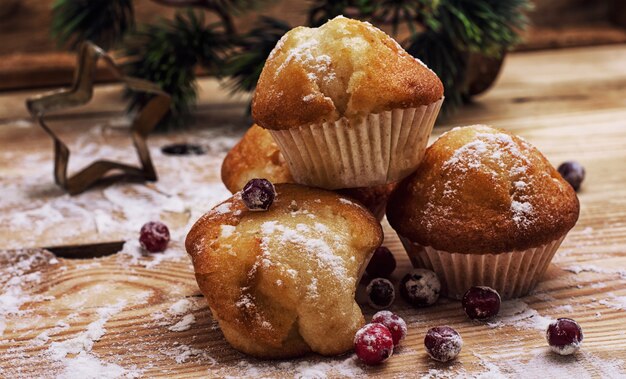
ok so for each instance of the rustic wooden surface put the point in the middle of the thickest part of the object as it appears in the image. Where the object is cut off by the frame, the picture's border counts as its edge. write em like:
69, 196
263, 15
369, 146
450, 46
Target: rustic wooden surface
571, 104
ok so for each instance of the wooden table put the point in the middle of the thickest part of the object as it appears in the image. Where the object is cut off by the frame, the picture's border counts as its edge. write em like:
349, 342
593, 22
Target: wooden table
135, 316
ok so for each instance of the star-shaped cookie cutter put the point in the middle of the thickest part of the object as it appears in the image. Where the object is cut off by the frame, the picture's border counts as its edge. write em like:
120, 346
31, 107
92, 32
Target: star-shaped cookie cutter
80, 93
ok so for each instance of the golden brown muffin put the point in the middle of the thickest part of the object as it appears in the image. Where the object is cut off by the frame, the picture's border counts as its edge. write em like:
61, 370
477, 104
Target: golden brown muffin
482, 190
483, 208
343, 68
281, 283
258, 156
255, 156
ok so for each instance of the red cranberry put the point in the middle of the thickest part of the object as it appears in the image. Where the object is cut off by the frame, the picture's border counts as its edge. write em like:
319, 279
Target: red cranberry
258, 194
393, 322
420, 287
443, 343
564, 336
481, 303
373, 344
380, 293
154, 236
573, 173
382, 263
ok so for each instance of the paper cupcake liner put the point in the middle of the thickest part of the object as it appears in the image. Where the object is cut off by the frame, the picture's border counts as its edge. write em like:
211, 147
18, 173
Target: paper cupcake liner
512, 274
376, 149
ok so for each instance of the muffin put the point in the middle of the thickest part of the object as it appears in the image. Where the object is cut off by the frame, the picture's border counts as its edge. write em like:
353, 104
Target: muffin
347, 105
483, 208
281, 282
258, 156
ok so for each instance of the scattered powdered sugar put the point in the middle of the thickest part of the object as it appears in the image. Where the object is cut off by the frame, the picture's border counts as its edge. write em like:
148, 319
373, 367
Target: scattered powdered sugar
182, 353
485, 151
85, 340
185, 190
87, 366
184, 324
306, 238
17, 274
614, 302
180, 307
300, 369
520, 315
226, 231
546, 364
134, 254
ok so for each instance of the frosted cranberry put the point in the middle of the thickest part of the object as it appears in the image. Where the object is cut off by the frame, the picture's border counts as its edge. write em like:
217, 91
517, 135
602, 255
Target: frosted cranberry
373, 344
258, 194
420, 287
443, 343
573, 173
154, 236
382, 263
380, 293
481, 303
393, 322
564, 336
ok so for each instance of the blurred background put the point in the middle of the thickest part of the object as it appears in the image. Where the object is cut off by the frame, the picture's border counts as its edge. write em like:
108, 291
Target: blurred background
173, 42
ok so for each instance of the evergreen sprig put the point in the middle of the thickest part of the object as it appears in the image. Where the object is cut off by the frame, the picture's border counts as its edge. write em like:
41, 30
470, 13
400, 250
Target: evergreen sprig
442, 33
169, 51
244, 65
103, 22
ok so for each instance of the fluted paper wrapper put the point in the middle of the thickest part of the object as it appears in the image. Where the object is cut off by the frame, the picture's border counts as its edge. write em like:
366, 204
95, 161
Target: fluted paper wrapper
376, 149
512, 274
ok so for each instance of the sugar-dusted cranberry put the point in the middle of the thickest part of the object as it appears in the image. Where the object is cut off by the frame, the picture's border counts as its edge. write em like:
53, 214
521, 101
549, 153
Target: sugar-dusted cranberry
380, 293
393, 322
481, 303
443, 343
420, 287
382, 263
564, 336
258, 194
154, 236
573, 173
373, 344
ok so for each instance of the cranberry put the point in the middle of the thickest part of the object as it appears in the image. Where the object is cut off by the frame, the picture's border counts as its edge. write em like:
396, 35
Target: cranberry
382, 263
564, 336
573, 173
443, 343
154, 236
258, 194
380, 293
373, 344
420, 287
393, 322
481, 303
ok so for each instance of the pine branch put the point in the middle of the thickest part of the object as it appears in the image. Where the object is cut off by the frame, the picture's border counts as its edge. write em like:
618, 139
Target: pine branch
244, 65
103, 22
169, 51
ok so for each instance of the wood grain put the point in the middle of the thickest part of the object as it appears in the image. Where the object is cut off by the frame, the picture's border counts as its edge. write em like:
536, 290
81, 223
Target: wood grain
571, 104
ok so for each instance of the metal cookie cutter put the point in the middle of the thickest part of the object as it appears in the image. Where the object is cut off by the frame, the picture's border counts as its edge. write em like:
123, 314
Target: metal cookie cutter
80, 93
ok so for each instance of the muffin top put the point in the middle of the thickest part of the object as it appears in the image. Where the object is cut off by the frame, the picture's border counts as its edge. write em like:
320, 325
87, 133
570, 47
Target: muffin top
482, 190
282, 282
343, 68
255, 156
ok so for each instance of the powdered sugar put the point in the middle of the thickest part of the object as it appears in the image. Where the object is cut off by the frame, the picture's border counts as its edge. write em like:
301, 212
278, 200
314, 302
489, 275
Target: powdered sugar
495, 154
313, 244
184, 324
